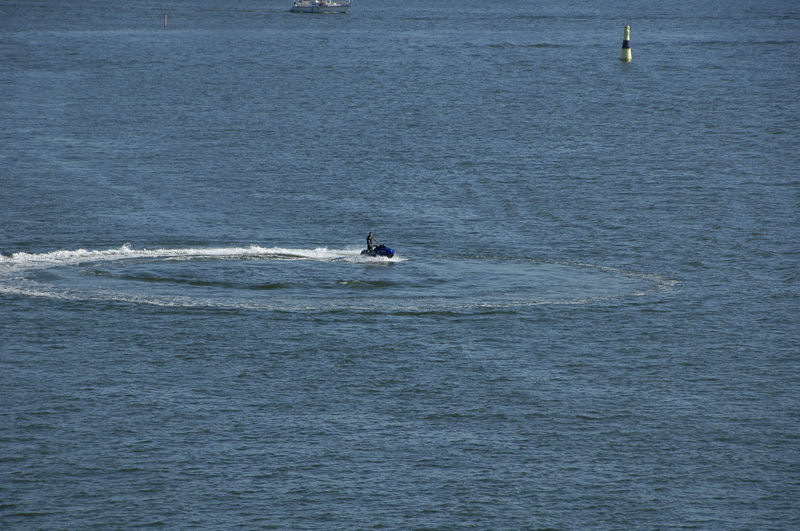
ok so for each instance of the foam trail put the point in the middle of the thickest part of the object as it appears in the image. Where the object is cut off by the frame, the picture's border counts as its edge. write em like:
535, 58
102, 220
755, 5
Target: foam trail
23, 261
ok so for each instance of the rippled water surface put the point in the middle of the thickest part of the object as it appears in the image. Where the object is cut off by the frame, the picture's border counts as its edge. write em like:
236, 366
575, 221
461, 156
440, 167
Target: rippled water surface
590, 321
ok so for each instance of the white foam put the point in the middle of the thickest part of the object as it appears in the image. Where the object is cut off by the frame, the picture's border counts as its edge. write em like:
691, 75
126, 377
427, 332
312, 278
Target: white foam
24, 261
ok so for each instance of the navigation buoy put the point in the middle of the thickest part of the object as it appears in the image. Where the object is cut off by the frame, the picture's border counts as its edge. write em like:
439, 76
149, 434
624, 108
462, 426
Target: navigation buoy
626, 45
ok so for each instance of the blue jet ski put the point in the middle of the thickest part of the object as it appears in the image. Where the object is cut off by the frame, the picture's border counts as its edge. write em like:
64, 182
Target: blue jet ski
380, 250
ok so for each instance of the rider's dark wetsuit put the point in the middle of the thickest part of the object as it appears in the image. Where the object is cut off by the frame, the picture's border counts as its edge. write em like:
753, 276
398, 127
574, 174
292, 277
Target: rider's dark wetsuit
371, 241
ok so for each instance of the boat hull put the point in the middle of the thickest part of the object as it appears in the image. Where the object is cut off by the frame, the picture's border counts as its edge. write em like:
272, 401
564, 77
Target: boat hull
381, 250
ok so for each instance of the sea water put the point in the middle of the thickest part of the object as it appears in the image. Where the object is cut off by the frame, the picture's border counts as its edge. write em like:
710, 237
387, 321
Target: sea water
591, 321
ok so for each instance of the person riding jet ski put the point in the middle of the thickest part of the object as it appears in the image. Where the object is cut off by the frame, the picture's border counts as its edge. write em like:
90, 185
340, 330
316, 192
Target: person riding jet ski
374, 248
371, 241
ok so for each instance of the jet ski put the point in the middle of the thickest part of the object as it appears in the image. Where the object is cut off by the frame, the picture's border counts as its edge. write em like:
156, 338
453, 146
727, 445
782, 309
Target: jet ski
380, 250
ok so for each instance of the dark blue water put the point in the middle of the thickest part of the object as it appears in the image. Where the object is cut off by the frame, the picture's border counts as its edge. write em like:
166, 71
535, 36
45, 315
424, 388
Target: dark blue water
590, 323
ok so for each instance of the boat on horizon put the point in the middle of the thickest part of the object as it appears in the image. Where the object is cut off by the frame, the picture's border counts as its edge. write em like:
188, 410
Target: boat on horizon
320, 6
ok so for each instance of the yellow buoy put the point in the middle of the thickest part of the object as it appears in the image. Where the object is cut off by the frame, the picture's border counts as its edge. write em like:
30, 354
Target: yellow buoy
626, 45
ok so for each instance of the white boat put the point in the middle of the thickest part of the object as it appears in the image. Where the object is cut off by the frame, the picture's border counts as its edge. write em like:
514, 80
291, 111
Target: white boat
320, 6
